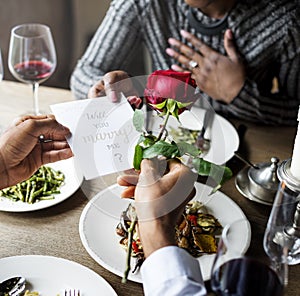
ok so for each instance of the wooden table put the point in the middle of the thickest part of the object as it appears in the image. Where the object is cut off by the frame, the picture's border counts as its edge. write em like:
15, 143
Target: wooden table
54, 231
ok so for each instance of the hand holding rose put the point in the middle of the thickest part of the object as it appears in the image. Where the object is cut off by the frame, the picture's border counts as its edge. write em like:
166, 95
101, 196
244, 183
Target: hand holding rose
160, 197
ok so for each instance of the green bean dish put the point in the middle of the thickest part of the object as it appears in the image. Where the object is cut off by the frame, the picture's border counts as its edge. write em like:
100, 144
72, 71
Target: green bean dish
182, 134
42, 185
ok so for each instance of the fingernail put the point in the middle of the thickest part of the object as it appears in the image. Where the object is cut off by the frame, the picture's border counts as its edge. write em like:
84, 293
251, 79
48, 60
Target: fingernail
229, 34
184, 33
176, 68
113, 96
170, 52
172, 41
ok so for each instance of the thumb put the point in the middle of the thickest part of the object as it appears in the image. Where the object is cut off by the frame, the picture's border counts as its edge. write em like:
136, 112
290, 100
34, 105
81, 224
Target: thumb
230, 46
111, 93
108, 81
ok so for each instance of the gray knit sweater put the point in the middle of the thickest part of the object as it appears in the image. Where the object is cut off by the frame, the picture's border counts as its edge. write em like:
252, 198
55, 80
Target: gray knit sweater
267, 35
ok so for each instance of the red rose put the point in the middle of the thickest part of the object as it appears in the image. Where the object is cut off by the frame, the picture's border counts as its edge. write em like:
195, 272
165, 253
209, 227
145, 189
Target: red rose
169, 84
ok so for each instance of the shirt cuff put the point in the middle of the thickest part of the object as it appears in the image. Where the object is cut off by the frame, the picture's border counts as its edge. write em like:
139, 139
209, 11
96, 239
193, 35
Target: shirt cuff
168, 264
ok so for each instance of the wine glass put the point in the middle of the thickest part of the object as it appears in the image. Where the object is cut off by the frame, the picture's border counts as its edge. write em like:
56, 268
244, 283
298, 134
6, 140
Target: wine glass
1, 67
32, 56
282, 234
235, 274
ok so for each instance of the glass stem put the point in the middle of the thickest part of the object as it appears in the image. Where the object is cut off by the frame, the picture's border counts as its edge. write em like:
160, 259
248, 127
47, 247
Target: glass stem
35, 89
285, 266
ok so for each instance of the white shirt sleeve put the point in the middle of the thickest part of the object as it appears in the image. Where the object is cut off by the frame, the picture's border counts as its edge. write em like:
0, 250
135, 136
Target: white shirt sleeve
172, 271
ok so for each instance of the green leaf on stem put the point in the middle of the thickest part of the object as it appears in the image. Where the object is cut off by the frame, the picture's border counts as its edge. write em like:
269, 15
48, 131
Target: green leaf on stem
186, 148
147, 140
138, 120
218, 173
161, 148
138, 157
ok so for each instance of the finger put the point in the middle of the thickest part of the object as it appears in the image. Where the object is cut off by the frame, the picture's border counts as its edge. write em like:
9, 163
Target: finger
45, 124
128, 192
127, 180
178, 68
55, 145
175, 171
28, 130
182, 59
112, 94
56, 155
174, 166
115, 82
181, 174
50, 128
184, 49
130, 172
177, 167
230, 46
148, 171
187, 56
177, 56
197, 43
135, 101
97, 90
151, 171
23, 118
108, 80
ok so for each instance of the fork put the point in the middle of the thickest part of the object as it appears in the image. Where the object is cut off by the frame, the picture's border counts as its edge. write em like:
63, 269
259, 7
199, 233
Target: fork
71, 292
202, 142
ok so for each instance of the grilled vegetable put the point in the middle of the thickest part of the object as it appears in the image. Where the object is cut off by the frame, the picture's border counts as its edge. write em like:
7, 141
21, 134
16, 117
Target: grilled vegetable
195, 232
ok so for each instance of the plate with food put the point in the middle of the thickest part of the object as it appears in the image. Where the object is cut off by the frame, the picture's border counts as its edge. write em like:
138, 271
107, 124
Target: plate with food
224, 139
42, 276
48, 186
104, 243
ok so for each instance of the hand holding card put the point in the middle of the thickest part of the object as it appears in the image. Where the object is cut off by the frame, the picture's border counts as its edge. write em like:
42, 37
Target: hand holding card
103, 135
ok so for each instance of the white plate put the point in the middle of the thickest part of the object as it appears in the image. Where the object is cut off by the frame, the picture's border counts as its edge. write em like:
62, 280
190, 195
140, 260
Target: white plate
224, 137
51, 275
73, 180
104, 210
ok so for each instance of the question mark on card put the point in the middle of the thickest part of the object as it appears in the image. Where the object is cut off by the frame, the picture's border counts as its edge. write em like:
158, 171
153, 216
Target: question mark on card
119, 155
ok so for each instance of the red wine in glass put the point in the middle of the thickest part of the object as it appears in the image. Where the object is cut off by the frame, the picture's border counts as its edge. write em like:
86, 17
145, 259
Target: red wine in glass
246, 277
32, 56
33, 71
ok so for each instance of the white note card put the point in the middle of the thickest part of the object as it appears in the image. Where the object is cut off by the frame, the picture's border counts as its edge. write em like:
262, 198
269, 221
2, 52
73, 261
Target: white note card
103, 136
